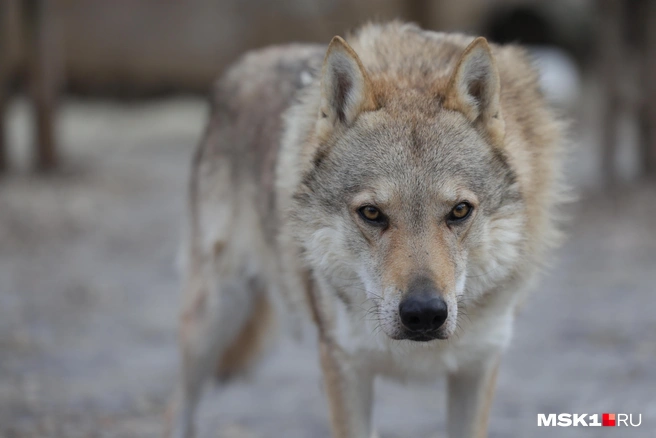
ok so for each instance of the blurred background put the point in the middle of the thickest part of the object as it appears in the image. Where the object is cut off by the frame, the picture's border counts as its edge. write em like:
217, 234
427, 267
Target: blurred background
101, 105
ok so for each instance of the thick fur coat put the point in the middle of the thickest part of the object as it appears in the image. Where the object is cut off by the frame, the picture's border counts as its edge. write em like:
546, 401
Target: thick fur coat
396, 174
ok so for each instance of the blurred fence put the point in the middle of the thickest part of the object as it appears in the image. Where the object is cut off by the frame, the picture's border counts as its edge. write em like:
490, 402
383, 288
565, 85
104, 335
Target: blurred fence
137, 48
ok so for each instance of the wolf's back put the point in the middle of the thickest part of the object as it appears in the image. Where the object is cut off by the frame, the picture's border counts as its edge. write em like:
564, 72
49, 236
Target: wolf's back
242, 138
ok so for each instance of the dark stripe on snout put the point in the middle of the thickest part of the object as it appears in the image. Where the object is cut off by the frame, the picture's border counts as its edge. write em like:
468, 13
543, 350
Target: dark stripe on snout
422, 285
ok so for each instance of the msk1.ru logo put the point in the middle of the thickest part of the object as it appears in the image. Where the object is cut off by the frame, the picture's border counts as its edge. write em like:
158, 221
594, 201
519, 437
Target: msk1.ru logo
608, 420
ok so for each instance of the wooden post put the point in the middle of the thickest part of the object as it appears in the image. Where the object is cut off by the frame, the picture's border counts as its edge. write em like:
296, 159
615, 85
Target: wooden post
647, 113
44, 64
4, 78
610, 56
3, 139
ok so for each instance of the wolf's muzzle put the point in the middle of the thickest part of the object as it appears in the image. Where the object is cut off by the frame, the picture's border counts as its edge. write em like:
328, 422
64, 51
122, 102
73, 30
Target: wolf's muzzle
423, 310
423, 313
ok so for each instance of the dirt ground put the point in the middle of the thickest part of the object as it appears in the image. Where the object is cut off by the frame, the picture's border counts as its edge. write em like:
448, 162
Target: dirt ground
89, 297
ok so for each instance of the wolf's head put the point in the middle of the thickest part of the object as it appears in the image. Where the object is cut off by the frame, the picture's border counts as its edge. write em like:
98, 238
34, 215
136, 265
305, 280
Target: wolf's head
410, 199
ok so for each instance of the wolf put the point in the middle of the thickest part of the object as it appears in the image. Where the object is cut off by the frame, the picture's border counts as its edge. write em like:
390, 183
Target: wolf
399, 187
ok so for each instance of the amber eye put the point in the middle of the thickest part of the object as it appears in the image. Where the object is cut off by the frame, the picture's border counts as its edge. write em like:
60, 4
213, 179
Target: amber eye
460, 212
373, 215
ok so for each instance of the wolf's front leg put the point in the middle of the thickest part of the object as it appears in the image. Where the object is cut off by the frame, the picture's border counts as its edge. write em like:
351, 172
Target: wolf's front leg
471, 390
349, 389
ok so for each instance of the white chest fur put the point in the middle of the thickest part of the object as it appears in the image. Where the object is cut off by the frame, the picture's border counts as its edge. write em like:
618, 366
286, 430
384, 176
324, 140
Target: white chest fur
403, 360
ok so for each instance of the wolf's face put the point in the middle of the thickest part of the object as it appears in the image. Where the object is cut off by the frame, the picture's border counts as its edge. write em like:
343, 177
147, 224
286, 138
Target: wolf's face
409, 201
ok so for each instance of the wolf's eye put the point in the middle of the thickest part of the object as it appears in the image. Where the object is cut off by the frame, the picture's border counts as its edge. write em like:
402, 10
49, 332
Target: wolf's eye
372, 215
460, 212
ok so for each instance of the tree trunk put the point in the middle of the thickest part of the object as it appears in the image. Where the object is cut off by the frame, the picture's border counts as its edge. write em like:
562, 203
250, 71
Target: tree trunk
44, 64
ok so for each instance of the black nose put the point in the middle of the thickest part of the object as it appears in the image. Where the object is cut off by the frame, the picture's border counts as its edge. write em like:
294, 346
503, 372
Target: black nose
423, 312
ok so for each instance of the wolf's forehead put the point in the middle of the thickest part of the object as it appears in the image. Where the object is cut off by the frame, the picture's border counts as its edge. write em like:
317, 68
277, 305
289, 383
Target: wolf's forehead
408, 149
417, 161
387, 192
418, 132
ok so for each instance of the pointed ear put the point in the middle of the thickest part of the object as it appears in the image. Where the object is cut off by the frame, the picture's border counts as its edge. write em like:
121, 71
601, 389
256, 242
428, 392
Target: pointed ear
346, 90
474, 89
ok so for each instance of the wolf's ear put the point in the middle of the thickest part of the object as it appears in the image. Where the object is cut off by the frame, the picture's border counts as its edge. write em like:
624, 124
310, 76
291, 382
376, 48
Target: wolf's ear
346, 89
474, 89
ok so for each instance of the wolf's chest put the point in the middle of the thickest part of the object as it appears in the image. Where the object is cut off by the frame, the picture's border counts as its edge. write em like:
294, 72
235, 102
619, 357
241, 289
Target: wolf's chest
408, 360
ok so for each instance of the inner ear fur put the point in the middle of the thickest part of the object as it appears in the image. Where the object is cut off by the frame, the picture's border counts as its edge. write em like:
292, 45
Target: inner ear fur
474, 89
346, 89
